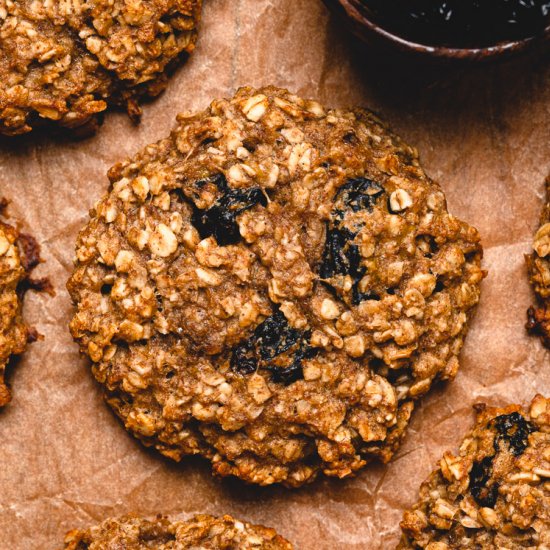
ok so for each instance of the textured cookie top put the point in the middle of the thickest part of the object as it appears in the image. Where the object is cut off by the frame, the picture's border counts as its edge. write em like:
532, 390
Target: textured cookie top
13, 332
202, 531
65, 61
495, 493
271, 286
538, 263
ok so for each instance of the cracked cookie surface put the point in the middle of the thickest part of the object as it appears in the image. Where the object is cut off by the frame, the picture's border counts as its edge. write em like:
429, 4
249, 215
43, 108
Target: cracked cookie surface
495, 493
65, 62
271, 287
202, 531
538, 265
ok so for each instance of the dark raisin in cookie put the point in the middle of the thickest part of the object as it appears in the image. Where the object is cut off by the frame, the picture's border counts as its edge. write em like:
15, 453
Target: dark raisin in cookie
538, 264
132, 533
64, 62
271, 287
495, 493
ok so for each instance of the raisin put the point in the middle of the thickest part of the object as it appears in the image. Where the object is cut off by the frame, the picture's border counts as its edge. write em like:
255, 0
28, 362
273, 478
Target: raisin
357, 296
106, 289
294, 371
462, 23
514, 431
484, 494
288, 375
439, 285
359, 194
275, 336
220, 220
243, 360
276, 347
342, 258
340, 255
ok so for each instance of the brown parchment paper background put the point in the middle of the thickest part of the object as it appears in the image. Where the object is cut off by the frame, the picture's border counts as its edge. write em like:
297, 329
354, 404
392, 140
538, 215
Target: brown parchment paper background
483, 133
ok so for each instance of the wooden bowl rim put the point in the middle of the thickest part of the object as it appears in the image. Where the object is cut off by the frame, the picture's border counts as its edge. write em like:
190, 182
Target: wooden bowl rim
361, 19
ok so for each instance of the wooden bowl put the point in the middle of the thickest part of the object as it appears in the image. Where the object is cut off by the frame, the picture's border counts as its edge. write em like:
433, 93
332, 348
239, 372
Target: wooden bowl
358, 18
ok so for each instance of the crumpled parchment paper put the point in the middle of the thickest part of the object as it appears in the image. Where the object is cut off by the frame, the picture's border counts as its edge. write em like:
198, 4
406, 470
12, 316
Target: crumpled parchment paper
483, 133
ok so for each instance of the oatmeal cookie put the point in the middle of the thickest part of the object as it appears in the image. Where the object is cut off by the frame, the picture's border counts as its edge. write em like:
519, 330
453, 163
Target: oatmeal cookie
271, 287
132, 533
19, 254
538, 264
66, 61
495, 493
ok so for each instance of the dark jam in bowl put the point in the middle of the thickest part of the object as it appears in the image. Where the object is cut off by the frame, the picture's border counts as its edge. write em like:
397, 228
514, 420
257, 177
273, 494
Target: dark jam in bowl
461, 23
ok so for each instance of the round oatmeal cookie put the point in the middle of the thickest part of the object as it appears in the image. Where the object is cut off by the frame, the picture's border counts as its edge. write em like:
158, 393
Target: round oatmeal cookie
66, 61
495, 493
19, 254
538, 265
132, 533
271, 287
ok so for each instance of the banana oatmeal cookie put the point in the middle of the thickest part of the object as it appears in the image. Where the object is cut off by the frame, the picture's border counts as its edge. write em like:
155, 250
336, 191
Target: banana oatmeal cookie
271, 287
19, 254
538, 264
132, 533
495, 493
66, 61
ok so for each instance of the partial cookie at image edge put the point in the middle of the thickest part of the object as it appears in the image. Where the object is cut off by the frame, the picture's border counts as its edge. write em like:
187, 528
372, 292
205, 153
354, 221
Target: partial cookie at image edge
201, 531
65, 63
19, 255
493, 493
538, 266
